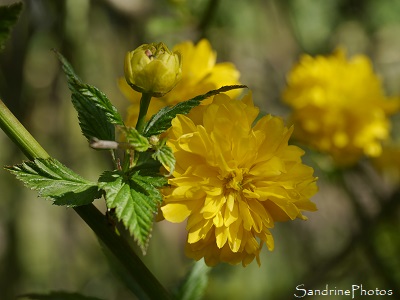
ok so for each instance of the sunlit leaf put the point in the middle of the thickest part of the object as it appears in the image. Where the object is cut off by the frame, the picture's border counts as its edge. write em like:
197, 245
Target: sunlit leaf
54, 180
136, 140
97, 116
135, 199
161, 121
165, 156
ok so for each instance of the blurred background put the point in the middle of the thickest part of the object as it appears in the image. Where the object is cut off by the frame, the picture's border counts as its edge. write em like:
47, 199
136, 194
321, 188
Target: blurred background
353, 238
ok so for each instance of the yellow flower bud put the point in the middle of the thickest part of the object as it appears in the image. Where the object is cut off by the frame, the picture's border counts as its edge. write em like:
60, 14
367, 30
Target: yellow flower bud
153, 68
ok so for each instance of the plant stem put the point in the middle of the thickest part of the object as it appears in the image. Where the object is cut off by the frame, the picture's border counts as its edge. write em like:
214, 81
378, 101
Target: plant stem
19, 135
144, 106
208, 15
89, 213
122, 252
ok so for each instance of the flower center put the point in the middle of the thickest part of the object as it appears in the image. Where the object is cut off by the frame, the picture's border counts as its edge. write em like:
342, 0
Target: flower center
149, 54
234, 180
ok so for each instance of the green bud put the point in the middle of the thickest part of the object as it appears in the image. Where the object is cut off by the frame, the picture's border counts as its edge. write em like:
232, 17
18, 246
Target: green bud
154, 140
153, 68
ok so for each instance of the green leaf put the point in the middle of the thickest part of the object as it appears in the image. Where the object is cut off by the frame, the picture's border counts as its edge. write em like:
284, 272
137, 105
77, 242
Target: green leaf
92, 120
135, 139
73, 199
161, 121
8, 17
101, 101
58, 296
97, 116
136, 199
165, 156
54, 180
194, 286
147, 165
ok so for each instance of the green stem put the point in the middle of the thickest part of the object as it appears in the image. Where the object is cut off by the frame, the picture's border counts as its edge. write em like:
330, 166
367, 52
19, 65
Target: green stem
89, 213
122, 252
19, 135
144, 106
208, 16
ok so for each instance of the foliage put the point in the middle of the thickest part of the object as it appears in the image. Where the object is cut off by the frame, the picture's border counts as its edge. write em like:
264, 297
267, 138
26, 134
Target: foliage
134, 195
132, 190
56, 181
96, 114
192, 288
135, 199
8, 17
161, 121
263, 40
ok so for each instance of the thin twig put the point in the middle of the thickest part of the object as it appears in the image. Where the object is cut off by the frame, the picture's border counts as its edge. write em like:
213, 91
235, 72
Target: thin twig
208, 15
89, 213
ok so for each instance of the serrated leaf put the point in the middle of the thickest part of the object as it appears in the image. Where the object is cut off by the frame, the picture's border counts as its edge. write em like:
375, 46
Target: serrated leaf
136, 140
136, 199
66, 66
91, 92
101, 101
147, 165
97, 116
78, 198
8, 17
92, 120
165, 156
54, 180
195, 283
58, 296
161, 121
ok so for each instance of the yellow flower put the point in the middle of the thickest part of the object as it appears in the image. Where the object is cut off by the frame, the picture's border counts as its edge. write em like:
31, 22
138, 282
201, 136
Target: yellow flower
232, 181
200, 74
388, 163
152, 68
339, 106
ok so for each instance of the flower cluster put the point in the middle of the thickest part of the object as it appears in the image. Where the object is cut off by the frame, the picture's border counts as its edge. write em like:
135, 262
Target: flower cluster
388, 163
339, 106
232, 181
200, 74
233, 177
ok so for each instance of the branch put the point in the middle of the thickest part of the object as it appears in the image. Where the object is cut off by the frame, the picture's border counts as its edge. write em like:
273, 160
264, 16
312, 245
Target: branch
89, 213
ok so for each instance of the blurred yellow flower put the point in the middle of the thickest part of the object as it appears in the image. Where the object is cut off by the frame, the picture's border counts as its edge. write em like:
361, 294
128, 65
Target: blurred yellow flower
232, 181
388, 163
339, 106
200, 74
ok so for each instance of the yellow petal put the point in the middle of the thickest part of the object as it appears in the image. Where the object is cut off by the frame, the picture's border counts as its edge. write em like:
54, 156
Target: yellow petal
245, 215
178, 211
230, 216
272, 167
235, 236
218, 220
199, 231
252, 246
195, 218
221, 235
212, 205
